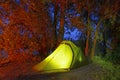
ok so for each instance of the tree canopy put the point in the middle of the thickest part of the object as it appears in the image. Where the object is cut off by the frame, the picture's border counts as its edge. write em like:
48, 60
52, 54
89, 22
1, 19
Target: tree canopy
38, 26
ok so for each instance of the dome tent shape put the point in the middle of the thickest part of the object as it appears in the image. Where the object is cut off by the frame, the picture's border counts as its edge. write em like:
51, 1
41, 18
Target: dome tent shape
66, 57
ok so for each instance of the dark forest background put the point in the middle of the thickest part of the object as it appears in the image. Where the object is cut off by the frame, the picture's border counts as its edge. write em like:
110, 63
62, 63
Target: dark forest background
32, 28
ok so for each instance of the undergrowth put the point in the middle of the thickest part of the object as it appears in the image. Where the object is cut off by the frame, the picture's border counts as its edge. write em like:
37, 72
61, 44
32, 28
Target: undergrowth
112, 71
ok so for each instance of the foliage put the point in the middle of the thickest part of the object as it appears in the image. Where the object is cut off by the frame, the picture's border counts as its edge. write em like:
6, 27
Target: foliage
114, 57
112, 71
105, 64
26, 30
26, 25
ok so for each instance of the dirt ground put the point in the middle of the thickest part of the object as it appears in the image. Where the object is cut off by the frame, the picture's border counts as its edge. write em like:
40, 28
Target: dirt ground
23, 71
88, 72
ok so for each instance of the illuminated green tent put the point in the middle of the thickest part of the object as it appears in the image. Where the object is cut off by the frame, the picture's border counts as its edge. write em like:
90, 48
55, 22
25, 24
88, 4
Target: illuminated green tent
67, 56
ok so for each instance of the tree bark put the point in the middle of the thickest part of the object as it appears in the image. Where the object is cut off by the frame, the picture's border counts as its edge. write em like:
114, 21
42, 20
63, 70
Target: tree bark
95, 39
104, 44
61, 29
54, 25
87, 38
87, 43
94, 44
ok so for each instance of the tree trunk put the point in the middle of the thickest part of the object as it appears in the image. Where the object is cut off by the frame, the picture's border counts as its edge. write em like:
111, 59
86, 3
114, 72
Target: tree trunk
104, 44
54, 25
95, 40
87, 43
88, 36
61, 29
94, 44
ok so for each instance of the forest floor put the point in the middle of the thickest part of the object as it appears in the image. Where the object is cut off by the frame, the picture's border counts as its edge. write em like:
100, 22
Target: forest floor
23, 71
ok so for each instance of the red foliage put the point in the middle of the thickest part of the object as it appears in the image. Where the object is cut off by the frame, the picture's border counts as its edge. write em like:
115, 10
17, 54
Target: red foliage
23, 23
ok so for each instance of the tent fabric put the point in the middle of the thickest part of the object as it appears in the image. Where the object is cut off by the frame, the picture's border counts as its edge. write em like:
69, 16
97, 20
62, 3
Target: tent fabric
66, 57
